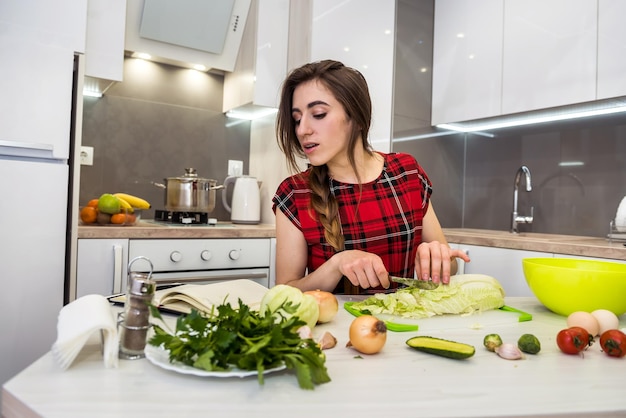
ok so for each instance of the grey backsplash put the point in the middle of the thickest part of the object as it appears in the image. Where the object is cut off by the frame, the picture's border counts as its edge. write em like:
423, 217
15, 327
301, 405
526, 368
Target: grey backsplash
157, 122
473, 175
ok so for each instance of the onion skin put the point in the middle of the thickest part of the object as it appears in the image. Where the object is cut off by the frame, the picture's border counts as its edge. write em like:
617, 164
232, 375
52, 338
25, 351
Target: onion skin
327, 303
368, 334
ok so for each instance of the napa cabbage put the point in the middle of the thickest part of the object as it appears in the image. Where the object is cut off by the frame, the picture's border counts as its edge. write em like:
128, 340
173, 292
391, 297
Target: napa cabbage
466, 294
307, 307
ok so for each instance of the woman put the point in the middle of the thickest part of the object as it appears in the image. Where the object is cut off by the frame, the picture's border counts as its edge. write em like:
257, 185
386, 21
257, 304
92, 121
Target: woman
355, 216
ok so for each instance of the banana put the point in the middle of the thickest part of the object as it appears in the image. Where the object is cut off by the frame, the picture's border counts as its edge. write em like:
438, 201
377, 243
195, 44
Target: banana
125, 205
134, 201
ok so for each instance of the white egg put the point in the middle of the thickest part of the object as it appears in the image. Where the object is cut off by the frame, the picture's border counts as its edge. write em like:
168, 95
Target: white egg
606, 320
584, 320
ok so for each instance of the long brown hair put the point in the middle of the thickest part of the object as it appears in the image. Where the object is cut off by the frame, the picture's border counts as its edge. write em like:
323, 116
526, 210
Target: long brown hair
350, 89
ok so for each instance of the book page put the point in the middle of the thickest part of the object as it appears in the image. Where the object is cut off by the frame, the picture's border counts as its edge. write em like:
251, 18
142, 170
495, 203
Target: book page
204, 296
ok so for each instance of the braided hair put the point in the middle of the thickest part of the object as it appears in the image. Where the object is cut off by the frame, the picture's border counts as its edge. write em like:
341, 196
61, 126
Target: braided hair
349, 88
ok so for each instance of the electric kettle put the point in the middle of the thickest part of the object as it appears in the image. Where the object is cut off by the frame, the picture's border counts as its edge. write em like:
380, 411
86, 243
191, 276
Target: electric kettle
245, 207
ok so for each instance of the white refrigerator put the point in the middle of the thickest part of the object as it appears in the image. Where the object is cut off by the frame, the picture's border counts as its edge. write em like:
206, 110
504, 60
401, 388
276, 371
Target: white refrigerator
41, 43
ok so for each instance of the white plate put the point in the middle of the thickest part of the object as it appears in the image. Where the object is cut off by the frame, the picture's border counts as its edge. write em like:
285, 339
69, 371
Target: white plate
160, 357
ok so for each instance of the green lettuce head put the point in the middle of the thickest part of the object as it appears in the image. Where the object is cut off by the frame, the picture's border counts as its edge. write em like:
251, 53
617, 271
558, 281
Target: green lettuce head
308, 309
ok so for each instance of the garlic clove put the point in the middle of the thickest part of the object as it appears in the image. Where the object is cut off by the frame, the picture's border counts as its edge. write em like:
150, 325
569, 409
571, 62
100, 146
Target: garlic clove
509, 351
327, 341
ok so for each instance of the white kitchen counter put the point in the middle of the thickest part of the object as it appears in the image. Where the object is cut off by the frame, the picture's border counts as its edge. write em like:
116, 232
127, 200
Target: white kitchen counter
398, 382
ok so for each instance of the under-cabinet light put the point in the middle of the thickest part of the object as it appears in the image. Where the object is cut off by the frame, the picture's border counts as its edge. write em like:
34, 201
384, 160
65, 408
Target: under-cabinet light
583, 111
142, 55
91, 93
251, 112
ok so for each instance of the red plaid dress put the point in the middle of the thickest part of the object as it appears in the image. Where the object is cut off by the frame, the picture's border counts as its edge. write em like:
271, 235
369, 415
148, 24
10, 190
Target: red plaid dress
386, 219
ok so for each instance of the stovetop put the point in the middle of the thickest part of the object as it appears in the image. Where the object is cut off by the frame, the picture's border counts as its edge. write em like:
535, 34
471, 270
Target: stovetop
191, 225
183, 218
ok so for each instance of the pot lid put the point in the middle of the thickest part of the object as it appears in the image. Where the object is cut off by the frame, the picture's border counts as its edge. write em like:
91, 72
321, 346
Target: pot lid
190, 175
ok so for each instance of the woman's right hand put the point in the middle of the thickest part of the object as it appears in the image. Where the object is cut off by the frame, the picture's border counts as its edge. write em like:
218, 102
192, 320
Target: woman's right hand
362, 269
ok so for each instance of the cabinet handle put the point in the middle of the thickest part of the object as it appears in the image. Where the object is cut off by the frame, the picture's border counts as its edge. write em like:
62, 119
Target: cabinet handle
117, 269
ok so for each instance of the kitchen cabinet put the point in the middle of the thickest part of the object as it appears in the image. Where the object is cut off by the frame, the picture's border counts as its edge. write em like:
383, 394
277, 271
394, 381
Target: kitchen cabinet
611, 49
104, 50
501, 263
365, 43
549, 54
261, 65
101, 266
467, 60
36, 87
498, 57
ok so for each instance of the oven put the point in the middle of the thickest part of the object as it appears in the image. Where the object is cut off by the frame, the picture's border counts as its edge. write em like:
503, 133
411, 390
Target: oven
202, 261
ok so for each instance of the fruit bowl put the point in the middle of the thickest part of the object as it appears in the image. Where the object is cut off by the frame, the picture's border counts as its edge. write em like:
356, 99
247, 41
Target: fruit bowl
90, 216
566, 285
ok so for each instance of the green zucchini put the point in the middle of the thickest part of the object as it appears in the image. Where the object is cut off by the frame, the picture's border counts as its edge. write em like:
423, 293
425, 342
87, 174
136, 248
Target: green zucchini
441, 347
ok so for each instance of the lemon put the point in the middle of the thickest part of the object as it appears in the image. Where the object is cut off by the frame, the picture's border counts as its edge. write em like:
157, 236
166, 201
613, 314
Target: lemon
109, 204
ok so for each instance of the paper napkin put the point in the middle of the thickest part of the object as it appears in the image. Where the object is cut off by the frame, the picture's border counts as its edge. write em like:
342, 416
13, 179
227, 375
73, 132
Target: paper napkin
78, 321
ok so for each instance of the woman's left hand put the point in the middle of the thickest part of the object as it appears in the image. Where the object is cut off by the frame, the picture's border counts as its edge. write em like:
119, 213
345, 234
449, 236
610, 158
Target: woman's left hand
436, 261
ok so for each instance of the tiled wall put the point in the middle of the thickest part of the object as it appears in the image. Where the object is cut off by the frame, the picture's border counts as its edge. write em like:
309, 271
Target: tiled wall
157, 122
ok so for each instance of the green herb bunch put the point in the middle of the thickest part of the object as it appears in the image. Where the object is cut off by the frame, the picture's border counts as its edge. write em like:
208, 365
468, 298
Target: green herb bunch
239, 337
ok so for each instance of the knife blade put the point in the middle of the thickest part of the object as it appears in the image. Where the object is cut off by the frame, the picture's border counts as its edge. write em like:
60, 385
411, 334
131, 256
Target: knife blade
420, 284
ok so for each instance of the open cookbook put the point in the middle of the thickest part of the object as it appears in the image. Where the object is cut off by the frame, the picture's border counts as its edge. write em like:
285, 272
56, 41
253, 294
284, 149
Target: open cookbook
184, 297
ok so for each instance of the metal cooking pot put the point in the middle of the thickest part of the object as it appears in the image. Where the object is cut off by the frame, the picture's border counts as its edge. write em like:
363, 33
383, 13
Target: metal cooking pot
189, 193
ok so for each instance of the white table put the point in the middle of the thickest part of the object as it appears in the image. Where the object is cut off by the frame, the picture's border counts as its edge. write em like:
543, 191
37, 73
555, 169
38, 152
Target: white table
398, 382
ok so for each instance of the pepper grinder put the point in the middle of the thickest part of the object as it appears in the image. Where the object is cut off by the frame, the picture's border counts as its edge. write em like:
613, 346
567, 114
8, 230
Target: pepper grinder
135, 320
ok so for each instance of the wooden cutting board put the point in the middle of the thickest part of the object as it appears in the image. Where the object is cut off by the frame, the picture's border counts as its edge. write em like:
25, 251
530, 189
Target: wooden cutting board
504, 315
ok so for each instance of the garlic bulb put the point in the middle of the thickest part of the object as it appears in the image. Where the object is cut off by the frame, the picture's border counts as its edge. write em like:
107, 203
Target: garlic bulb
509, 351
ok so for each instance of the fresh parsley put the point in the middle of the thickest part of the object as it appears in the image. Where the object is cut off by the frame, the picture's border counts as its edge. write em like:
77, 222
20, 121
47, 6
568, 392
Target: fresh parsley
240, 337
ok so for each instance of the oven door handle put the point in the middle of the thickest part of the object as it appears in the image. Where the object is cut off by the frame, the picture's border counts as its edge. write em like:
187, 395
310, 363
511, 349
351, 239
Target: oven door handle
169, 281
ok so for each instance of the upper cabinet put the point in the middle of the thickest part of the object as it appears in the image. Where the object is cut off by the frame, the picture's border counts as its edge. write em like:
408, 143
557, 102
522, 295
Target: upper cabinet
38, 41
104, 50
611, 49
361, 35
498, 57
467, 60
549, 54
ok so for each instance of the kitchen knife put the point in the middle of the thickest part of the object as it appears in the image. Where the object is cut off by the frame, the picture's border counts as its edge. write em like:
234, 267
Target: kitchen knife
420, 284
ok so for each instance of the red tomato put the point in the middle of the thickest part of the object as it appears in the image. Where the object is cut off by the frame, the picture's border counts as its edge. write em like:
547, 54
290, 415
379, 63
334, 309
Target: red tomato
613, 343
573, 340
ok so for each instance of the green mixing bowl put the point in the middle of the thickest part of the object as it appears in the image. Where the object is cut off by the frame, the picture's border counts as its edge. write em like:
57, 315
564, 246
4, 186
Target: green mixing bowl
566, 285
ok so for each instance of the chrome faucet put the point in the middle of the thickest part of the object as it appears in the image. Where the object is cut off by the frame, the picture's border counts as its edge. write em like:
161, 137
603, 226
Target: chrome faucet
516, 218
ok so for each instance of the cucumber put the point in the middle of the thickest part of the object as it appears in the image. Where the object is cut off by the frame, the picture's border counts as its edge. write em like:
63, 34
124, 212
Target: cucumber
441, 347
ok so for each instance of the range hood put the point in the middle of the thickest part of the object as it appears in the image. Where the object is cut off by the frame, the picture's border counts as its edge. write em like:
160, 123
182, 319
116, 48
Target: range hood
187, 33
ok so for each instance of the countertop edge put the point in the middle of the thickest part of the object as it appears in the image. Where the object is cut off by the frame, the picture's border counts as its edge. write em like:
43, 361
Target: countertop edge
145, 230
550, 243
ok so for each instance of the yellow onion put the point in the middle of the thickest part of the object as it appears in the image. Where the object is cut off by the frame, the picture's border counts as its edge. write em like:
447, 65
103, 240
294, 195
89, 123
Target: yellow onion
327, 303
368, 334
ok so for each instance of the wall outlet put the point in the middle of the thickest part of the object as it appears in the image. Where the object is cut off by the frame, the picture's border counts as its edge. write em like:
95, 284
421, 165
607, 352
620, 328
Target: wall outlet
235, 168
86, 155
